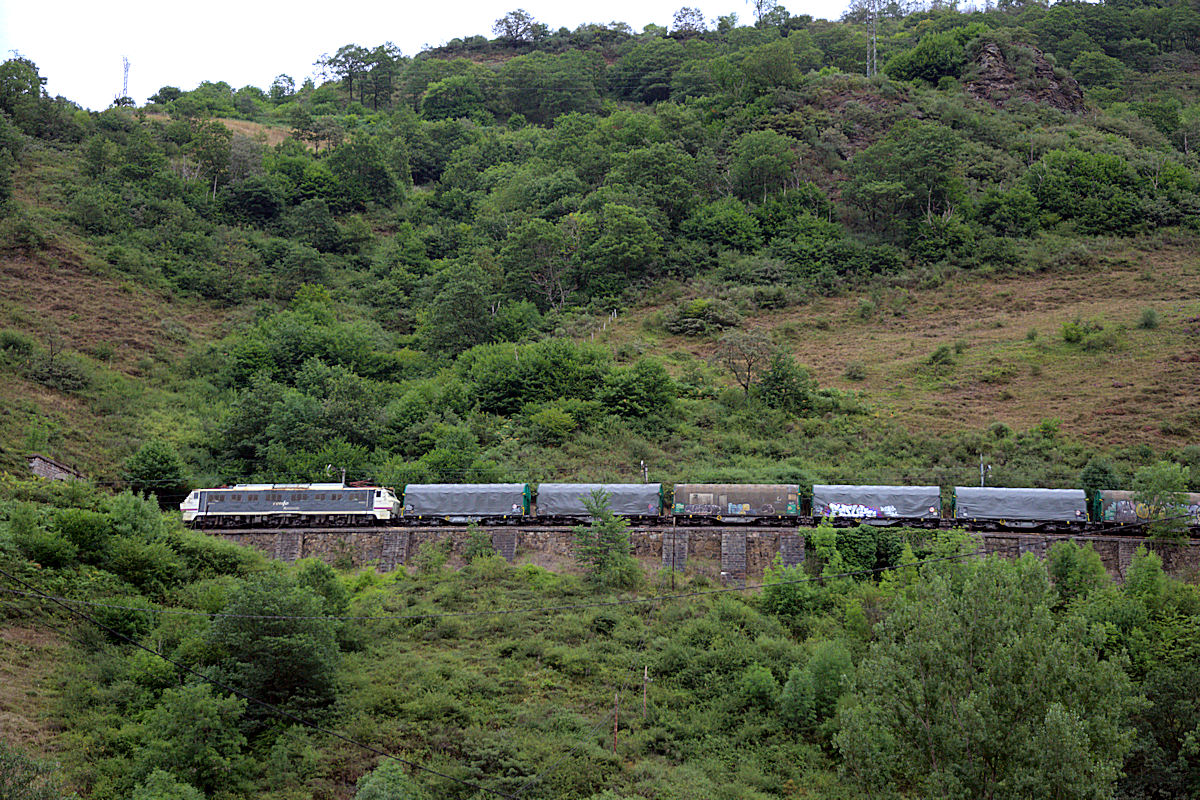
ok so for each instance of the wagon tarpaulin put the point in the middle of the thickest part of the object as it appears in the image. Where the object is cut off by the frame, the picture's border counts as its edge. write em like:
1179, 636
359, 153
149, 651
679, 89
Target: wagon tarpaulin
1057, 505
876, 502
465, 499
629, 499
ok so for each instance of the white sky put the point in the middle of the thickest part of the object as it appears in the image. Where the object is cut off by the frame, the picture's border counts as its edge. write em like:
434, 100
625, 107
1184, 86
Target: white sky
78, 44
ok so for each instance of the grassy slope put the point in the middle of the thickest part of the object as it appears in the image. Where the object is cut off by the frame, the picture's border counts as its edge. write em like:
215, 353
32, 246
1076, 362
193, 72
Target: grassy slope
27, 656
67, 297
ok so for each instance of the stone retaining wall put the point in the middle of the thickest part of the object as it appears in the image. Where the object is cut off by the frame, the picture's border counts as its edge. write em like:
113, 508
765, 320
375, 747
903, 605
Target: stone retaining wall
737, 554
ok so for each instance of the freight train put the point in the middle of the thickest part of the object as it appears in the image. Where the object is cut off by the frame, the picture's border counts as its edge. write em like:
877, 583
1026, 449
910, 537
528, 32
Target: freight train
979, 508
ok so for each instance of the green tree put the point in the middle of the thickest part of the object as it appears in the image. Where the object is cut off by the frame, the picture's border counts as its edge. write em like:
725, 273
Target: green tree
289, 660
916, 165
796, 700
519, 27
1098, 191
542, 86
786, 385
156, 469
975, 688
161, 785
454, 96
389, 781
1162, 489
644, 391
624, 248
537, 263
1097, 476
362, 174
602, 548
758, 687
1165, 759
194, 735
938, 54
1076, 571
25, 778
724, 223
1094, 68
210, 146
460, 315
763, 162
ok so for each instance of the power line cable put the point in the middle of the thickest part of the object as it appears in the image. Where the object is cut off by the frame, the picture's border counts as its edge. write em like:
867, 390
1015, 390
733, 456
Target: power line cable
268, 706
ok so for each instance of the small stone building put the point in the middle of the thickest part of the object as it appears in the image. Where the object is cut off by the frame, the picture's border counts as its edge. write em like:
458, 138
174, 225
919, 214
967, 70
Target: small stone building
45, 467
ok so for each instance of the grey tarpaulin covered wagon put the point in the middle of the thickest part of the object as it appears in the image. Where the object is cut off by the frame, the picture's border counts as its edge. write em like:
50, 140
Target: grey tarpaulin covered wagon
626, 499
466, 501
841, 501
1020, 507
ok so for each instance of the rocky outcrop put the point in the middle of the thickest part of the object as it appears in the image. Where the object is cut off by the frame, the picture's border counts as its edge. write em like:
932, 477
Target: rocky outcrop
996, 80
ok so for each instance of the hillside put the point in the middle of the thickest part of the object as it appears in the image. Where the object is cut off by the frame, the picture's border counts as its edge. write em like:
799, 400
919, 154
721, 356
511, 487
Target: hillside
616, 211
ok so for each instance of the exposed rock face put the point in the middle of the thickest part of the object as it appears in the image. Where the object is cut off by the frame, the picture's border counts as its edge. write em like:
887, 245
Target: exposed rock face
997, 81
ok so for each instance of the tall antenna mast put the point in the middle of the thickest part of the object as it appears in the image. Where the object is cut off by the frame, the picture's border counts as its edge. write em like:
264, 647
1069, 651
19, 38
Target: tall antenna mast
123, 98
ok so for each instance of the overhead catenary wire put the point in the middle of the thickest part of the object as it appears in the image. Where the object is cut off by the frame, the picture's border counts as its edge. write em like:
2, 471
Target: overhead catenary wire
271, 708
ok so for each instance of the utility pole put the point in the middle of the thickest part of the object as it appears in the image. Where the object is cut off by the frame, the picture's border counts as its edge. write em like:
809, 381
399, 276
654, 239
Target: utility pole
983, 471
645, 683
645, 472
616, 709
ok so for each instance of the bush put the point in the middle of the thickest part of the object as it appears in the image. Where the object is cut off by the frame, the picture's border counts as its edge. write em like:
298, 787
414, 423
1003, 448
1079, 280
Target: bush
796, 701
25, 778
479, 544
432, 556
389, 781
67, 372
602, 548
1149, 320
193, 734
288, 660
856, 371
944, 354
161, 786
157, 470
701, 316
123, 624
551, 425
35, 542
758, 687
88, 531
153, 567
16, 345
210, 556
